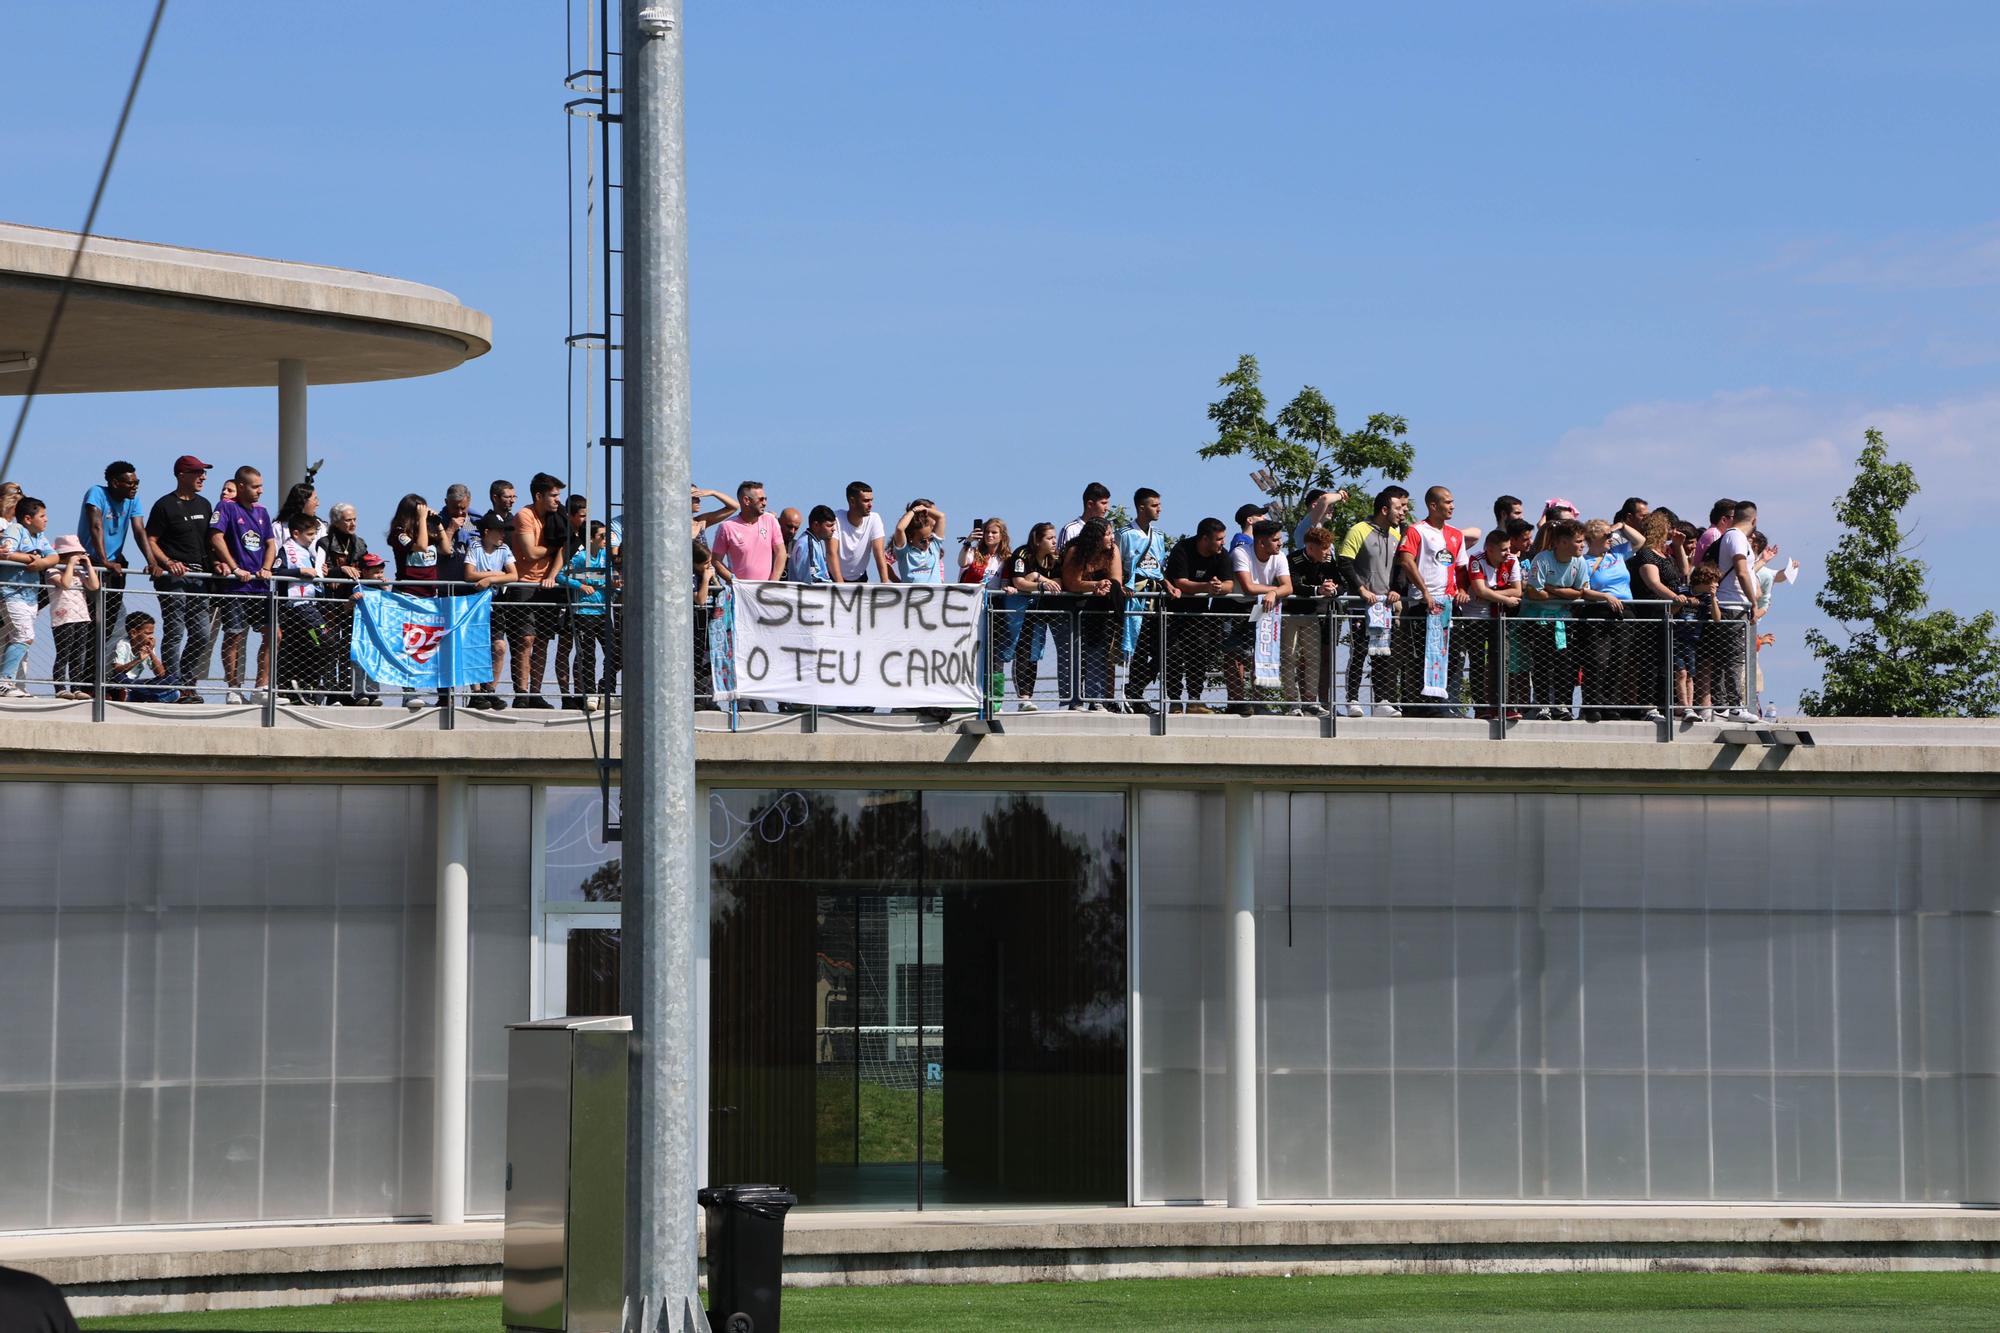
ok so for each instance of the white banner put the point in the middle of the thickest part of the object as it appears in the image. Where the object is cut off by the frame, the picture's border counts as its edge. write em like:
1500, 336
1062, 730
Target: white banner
862, 645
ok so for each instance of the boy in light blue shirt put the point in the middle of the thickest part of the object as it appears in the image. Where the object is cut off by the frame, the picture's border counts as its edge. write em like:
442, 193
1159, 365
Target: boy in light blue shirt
24, 554
588, 573
809, 562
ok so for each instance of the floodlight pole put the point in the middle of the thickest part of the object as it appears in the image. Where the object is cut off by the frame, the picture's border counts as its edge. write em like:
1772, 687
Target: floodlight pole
659, 925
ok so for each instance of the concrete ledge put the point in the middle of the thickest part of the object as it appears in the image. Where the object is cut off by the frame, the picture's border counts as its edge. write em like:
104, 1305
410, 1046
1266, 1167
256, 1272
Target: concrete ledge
136, 1272
46, 738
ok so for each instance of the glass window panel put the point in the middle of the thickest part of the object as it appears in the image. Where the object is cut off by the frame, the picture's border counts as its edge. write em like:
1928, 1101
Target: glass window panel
27, 996
1424, 989
1613, 998
1489, 1135
1363, 1147
580, 865
1871, 1138
1362, 989
1293, 985
1563, 1145
24, 1166
229, 1004
1489, 995
228, 1152
1863, 852
1426, 1136
297, 1121
1867, 1000
370, 1142
1740, 1120
1297, 1139
1614, 1127
198, 1027
299, 1040
1739, 990
1676, 971
90, 956
1677, 1127
1807, 1138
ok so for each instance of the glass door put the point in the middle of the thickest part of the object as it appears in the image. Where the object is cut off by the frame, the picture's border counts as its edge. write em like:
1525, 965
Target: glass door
870, 1113
865, 942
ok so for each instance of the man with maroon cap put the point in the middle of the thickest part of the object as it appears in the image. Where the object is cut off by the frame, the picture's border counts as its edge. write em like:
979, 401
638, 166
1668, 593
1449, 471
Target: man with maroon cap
177, 550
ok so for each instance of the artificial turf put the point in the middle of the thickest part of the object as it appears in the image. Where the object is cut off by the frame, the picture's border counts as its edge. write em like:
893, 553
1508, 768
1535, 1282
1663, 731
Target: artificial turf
1766, 1302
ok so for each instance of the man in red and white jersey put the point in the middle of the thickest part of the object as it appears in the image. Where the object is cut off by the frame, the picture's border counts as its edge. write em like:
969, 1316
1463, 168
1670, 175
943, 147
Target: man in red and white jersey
1493, 582
1430, 557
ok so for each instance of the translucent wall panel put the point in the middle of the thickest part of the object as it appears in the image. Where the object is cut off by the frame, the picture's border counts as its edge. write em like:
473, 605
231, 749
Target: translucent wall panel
1617, 997
1178, 992
219, 999
502, 975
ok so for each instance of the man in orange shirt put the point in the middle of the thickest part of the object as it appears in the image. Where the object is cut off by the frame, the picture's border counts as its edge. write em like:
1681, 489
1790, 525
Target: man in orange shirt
535, 602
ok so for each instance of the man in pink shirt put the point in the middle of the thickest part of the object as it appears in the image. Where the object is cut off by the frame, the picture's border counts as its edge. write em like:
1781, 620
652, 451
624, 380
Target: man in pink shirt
749, 543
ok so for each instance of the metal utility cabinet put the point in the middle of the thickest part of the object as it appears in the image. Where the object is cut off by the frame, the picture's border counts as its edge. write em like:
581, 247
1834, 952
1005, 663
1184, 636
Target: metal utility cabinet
564, 1248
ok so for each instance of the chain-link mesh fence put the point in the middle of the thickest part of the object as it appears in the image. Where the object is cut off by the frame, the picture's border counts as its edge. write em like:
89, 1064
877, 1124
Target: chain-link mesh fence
204, 641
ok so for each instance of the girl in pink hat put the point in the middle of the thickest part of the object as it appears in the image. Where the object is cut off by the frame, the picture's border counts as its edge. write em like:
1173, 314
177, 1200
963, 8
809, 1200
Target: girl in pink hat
73, 581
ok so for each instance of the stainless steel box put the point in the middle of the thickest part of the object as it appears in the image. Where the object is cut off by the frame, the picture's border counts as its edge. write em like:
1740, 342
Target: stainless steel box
564, 1243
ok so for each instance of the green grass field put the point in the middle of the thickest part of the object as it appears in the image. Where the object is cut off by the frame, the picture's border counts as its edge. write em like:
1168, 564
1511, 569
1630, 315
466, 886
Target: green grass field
1768, 1303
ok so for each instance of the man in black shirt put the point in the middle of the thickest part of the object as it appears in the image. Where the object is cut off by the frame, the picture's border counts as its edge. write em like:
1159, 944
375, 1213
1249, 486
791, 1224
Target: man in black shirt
31, 1304
176, 540
1308, 646
1198, 568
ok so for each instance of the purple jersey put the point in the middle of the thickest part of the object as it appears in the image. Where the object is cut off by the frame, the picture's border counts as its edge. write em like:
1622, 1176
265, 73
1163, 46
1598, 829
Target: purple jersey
247, 535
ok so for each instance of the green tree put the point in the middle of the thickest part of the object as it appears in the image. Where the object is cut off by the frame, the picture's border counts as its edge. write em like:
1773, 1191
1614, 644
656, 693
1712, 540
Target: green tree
1899, 660
1304, 449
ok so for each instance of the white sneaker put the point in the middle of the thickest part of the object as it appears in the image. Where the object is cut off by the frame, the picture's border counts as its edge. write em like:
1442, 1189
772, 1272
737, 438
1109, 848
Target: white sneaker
589, 703
1387, 710
234, 697
1353, 710
14, 692
1738, 715
413, 703
1027, 706
1653, 715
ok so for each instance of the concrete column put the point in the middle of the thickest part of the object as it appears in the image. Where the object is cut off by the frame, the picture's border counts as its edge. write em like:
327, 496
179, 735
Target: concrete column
454, 916
291, 431
1239, 837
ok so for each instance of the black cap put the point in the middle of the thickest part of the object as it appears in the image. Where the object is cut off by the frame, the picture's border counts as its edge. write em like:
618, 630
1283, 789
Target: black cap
492, 522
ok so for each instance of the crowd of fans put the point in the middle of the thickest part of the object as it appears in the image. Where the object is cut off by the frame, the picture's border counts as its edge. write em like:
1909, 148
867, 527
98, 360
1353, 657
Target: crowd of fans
1566, 590
226, 571
1111, 594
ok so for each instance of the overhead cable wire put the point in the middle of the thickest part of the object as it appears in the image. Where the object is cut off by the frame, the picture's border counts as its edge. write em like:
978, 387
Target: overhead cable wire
83, 239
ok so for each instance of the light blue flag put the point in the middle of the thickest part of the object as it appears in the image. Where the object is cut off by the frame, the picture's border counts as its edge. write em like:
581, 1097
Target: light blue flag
424, 643
1437, 652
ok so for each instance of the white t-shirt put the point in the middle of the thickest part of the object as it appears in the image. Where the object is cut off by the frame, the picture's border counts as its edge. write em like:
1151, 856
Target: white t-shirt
855, 545
1266, 572
496, 561
1728, 546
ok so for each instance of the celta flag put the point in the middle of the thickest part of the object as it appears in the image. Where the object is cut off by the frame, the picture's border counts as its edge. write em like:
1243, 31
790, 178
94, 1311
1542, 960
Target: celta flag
1437, 652
424, 643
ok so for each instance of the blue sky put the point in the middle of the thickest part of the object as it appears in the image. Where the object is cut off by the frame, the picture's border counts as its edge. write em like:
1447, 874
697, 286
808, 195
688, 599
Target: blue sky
988, 253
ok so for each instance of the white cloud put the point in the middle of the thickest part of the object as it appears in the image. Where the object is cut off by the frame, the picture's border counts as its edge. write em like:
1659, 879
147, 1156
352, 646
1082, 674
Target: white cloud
1968, 258
1793, 453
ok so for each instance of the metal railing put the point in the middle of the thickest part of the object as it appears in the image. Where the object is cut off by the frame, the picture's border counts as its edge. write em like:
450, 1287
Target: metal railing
283, 644
286, 647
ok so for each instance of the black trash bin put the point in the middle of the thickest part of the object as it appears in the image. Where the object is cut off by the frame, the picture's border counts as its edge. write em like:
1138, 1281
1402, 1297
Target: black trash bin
746, 1255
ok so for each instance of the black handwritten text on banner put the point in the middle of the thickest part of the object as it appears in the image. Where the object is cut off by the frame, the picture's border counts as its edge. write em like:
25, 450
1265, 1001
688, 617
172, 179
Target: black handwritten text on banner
865, 645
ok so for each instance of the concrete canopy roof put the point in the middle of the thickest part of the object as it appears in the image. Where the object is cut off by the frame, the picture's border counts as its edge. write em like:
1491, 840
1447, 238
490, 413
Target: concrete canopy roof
145, 316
